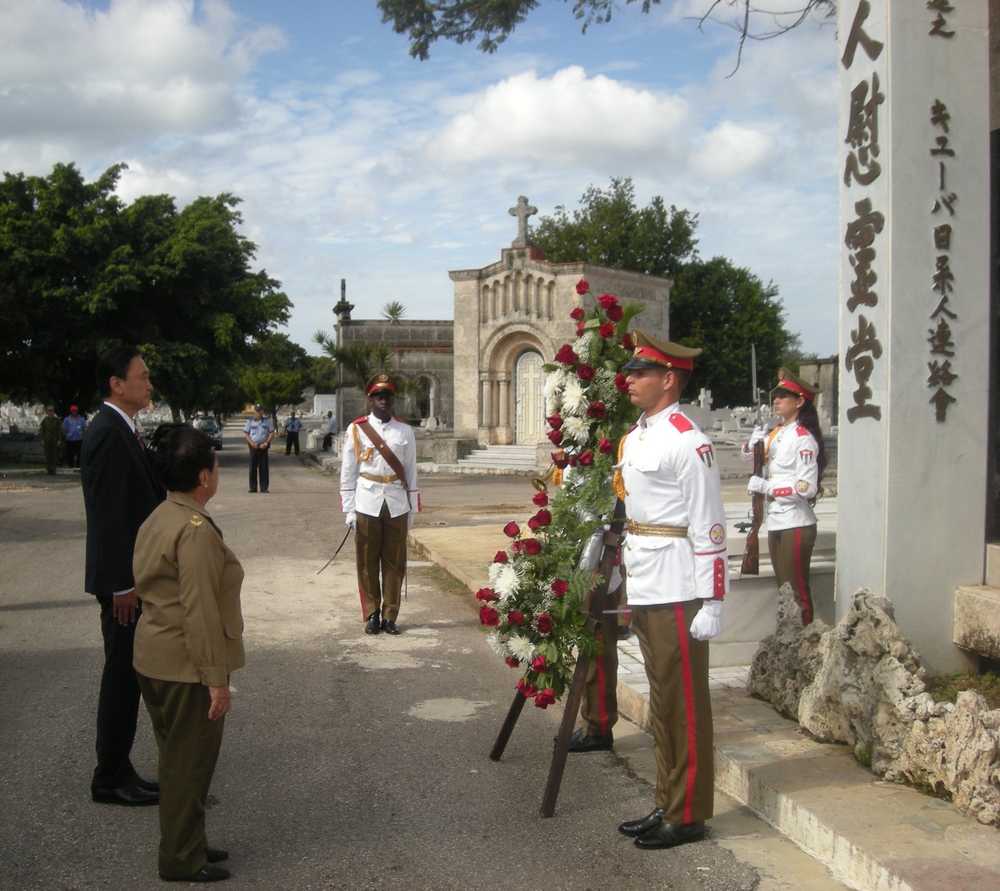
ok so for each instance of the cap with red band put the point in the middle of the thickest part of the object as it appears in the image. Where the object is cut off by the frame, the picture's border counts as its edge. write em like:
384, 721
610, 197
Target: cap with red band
379, 382
794, 384
652, 353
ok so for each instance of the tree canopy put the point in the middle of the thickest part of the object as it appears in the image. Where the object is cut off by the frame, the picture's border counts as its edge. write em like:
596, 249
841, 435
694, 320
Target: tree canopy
80, 270
493, 21
715, 305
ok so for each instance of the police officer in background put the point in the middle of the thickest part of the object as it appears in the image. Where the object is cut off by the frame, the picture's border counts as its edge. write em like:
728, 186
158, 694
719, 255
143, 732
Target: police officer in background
379, 495
676, 570
258, 432
292, 427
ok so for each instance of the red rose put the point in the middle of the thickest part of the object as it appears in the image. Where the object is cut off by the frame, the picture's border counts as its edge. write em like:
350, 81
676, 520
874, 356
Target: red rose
555, 437
559, 587
486, 594
586, 458
627, 342
527, 690
500, 557
582, 286
538, 665
546, 698
566, 356
577, 313
606, 330
512, 662
543, 517
533, 524
597, 411
605, 447
489, 616
585, 372
517, 546
515, 618
580, 328
544, 623
540, 500
559, 459
572, 460
621, 382
614, 313
607, 301
554, 421
512, 530
533, 547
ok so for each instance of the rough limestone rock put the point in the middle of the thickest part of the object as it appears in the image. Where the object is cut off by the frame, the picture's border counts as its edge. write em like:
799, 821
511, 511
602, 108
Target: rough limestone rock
861, 683
867, 670
786, 661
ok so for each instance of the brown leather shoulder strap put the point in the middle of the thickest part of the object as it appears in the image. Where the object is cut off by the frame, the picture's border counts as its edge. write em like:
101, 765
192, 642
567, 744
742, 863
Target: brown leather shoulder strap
384, 451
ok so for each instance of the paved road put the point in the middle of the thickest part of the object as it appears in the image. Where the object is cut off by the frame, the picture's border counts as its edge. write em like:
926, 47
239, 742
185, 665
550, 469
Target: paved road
349, 762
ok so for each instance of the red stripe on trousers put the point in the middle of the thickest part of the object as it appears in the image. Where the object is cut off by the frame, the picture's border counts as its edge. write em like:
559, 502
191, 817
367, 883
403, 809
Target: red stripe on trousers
800, 576
692, 753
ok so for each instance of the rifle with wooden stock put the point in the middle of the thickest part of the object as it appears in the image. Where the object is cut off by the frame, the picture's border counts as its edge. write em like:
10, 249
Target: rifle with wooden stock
751, 551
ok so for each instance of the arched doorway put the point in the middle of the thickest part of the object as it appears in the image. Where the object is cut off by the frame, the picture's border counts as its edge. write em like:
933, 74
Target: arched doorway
529, 406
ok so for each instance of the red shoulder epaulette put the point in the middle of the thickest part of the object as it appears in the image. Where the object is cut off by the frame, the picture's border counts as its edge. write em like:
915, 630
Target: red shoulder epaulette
401, 421
801, 430
681, 422
359, 420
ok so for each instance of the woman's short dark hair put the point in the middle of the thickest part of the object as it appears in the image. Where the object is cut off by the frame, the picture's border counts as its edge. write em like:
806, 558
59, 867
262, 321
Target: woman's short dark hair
181, 455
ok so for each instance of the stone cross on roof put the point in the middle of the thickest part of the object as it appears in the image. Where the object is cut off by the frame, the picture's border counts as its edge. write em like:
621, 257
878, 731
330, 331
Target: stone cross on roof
522, 211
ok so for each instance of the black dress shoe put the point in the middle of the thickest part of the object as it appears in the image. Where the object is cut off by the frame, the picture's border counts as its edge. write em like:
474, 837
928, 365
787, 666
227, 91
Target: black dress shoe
131, 794
389, 627
372, 626
584, 742
636, 828
624, 632
670, 835
216, 855
208, 873
148, 785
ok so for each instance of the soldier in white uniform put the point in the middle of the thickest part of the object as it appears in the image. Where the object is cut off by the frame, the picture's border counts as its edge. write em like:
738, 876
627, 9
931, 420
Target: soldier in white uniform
380, 501
677, 576
794, 460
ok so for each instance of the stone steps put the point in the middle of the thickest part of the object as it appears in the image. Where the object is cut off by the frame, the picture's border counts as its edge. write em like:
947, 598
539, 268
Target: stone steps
514, 457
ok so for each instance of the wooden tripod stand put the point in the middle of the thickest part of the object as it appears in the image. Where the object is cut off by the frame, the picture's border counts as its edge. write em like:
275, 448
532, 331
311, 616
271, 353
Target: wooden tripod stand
600, 604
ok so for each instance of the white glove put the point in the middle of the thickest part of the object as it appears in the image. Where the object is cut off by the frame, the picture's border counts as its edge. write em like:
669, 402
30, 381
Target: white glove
410, 517
351, 520
708, 622
759, 486
759, 435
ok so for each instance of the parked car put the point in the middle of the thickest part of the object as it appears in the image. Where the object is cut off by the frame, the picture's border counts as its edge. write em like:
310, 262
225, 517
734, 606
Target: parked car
210, 427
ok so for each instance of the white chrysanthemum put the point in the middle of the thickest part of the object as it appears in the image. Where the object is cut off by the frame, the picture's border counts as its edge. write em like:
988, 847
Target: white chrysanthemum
506, 582
498, 643
521, 648
492, 571
552, 390
604, 384
574, 399
577, 429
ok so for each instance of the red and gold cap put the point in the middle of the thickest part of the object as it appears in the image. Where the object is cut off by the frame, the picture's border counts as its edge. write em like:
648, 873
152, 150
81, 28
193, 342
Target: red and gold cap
380, 382
652, 353
794, 384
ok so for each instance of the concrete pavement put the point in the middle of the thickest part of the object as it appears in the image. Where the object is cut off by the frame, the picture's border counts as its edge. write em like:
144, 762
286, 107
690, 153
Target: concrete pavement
872, 834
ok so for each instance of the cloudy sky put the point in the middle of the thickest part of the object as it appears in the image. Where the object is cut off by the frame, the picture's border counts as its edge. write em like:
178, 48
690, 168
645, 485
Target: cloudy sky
356, 161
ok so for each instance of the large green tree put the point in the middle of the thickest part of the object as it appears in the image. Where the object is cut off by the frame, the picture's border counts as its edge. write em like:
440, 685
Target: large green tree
493, 21
610, 229
80, 270
714, 305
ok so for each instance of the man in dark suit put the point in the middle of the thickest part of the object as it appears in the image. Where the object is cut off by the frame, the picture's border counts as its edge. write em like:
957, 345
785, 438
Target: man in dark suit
119, 492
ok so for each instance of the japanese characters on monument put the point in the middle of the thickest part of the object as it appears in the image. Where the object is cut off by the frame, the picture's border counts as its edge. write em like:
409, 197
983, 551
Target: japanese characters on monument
862, 171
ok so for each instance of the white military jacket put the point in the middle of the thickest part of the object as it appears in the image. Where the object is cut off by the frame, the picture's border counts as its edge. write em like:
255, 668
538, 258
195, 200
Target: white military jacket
366, 479
671, 480
792, 474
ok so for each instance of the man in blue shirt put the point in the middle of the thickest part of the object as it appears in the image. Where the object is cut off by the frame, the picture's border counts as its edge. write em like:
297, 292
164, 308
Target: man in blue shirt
74, 425
258, 432
292, 427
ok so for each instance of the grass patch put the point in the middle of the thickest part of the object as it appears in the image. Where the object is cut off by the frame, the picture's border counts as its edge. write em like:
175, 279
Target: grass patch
946, 689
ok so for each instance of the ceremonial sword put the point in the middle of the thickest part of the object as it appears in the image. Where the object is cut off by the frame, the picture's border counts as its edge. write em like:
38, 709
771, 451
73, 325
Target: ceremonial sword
334, 557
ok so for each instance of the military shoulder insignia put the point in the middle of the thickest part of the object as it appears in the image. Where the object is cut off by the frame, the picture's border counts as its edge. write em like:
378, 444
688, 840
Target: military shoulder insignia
806, 455
681, 422
802, 430
359, 420
196, 520
706, 454
802, 487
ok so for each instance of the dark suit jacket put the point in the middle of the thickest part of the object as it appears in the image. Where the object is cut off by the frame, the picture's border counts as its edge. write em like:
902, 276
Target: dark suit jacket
119, 492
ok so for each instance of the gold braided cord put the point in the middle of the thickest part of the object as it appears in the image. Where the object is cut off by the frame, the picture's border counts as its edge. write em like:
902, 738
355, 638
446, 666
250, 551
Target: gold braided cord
659, 529
617, 481
366, 455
